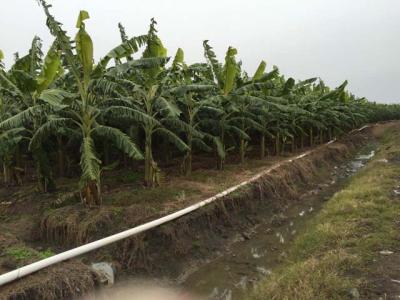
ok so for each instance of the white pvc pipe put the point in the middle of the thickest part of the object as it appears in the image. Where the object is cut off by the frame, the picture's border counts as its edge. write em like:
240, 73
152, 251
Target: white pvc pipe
360, 129
44, 263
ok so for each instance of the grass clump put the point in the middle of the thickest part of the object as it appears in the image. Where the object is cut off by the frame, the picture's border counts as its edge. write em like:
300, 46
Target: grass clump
20, 253
23, 254
311, 278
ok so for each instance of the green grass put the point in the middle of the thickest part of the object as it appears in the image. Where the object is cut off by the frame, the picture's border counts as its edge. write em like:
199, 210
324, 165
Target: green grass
335, 252
23, 253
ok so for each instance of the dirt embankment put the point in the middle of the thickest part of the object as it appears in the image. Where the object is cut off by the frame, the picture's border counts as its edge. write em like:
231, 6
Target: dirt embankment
167, 249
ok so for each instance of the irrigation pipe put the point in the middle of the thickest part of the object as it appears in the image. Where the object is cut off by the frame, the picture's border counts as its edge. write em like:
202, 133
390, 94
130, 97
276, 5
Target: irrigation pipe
44, 263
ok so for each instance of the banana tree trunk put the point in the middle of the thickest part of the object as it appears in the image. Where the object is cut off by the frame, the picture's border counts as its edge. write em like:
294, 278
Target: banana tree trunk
6, 174
188, 167
134, 134
242, 150
61, 157
20, 168
18, 159
321, 136
187, 163
148, 162
242, 146
311, 137
91, 194
46, 181
293, 144
277, 144
106, 149
221, 160
262, 146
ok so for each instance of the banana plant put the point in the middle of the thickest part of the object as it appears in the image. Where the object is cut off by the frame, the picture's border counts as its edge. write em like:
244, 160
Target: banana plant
324, 105
81, 108
9, 139
192, 88
225, 79
28, 84
253, 107
145, 100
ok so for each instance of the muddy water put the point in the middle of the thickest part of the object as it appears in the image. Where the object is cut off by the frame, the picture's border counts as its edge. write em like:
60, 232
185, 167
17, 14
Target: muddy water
255, 255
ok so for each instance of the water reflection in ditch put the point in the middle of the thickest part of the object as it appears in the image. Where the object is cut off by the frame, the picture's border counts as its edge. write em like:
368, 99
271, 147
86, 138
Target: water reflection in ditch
249, 260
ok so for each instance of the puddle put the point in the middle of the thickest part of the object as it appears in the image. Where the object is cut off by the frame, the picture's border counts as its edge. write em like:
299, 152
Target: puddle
245, 262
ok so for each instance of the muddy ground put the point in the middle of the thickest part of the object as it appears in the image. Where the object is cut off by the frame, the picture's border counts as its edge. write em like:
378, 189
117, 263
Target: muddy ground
34, 226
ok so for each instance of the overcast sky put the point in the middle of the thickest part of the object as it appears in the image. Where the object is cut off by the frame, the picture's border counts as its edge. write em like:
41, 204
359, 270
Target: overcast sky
358, 40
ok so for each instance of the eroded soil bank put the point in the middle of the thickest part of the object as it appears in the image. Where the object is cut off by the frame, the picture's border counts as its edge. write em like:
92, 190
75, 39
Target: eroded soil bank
174, 249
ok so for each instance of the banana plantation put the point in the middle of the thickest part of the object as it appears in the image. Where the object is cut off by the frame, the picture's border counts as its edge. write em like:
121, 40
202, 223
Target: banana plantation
62, 113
